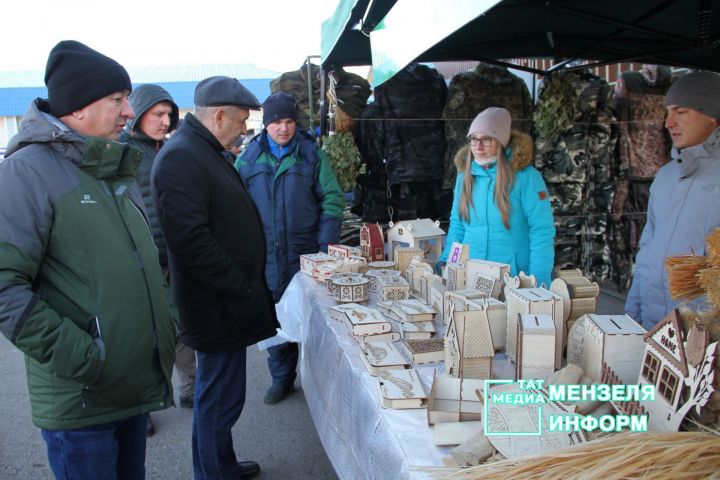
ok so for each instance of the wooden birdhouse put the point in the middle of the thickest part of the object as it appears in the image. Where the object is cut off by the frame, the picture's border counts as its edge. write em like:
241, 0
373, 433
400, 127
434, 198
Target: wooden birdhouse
469, 348
535, 347
422, 233
615, 340
680, 369
535, 301
372, 244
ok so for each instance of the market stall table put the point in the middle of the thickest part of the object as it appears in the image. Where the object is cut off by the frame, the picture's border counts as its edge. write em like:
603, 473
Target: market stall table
362, 439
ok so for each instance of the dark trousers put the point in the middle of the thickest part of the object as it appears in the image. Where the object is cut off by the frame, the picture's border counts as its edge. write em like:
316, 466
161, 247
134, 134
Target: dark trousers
219, 400
112, 451
282, 361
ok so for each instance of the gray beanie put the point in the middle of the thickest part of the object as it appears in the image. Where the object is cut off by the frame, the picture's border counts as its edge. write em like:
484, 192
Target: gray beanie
493, 121
697, 90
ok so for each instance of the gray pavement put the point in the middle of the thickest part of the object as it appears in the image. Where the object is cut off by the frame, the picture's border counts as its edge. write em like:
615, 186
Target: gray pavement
282, 437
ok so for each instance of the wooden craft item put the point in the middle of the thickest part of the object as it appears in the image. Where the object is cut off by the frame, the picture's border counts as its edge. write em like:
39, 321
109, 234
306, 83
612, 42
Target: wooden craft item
402, 256
436, 296
425, 282
535, 347
497, 317
353, 264
459, 298
474, 451
381, 265
422, 233
401, 389
488, 269
412, 310
378, 337
579, 294
458, 255
456, 277
332, 290
310, 261
469, 350
343, 251
515, 418
454, 400
414, 271
372, 275
417, 330
425, 351
392, 288
484, 284
616, 340
323, 271
352, 289
361, 319
681, 370
372, 243
378, 356
455, 433
537, 301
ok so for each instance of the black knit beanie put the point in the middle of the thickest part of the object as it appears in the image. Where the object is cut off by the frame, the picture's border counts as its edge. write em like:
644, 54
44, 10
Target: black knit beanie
76, 76
277, 107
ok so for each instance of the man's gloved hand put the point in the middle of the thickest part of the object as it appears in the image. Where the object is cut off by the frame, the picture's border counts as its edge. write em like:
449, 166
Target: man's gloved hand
439, 266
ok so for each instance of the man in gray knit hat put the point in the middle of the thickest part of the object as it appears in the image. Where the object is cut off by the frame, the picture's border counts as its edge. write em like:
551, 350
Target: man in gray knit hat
684, 204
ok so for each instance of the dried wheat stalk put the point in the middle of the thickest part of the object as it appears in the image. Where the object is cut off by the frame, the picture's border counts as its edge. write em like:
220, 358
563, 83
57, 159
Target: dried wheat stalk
683, 276
713, 247
709, 279
676, 455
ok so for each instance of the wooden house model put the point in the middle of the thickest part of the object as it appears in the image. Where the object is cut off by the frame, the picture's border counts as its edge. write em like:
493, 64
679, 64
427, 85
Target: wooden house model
469, 347
372, 244
681, 369
615, 340
415, 270
425, 283
536, 301
422, 233
535, 347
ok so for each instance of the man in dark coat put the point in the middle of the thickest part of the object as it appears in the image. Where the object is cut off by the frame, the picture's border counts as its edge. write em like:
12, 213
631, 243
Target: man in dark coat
216, 253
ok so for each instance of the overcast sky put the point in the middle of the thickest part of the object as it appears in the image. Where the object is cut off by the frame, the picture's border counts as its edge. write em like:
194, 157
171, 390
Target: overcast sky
272, 34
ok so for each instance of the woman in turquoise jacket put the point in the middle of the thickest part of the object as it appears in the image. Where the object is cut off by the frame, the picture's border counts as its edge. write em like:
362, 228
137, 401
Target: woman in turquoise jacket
501, 207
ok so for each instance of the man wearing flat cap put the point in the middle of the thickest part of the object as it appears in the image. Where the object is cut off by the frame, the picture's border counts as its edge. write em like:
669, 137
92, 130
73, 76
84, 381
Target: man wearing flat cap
301, 204
684, 204
216, 255
82, 292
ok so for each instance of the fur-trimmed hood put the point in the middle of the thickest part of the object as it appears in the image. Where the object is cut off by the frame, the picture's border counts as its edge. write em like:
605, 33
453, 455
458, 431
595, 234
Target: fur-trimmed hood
521, 157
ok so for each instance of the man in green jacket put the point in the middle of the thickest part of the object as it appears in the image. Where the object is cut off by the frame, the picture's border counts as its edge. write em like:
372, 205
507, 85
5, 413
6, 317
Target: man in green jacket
81, 288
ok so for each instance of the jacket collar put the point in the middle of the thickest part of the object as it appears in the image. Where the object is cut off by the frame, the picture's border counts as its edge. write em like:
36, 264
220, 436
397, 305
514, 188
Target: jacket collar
108, 160
690, 158
191, 122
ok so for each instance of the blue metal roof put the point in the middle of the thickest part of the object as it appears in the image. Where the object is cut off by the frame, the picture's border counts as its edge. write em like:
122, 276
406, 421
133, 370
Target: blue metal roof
19, 88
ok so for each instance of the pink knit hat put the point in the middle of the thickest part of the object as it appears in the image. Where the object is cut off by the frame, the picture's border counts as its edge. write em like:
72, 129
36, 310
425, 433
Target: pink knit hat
493, 121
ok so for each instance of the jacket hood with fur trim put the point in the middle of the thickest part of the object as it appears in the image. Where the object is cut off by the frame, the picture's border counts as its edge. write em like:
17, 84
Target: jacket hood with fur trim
521, 157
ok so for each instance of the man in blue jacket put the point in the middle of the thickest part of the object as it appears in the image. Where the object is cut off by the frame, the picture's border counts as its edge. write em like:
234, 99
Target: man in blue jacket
684, 204
301, 205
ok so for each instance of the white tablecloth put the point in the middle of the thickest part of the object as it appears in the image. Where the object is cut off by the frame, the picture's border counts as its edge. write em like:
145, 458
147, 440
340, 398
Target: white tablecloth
362, 439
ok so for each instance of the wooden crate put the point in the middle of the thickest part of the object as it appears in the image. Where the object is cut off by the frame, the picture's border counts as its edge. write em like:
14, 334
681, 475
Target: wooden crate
616, 340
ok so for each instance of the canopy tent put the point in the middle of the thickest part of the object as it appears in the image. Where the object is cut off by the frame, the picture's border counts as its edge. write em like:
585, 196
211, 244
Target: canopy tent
345, 37
666, 32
